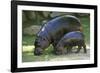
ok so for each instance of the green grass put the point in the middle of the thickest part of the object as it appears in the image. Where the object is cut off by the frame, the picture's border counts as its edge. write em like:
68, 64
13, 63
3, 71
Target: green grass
28, 45
28, 39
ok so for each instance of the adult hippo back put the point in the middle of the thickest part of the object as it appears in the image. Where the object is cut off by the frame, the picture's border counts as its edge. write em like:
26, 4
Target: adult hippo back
53, 30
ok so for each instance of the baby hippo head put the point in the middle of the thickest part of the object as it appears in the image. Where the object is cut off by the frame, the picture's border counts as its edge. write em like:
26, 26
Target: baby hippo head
40, 44
60, 49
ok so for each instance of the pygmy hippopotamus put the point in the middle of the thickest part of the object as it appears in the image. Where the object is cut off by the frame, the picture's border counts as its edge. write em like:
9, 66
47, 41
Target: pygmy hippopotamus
53, 30
69, 40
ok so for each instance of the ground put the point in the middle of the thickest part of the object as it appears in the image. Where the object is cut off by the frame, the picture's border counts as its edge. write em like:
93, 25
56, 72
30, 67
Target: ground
28, 56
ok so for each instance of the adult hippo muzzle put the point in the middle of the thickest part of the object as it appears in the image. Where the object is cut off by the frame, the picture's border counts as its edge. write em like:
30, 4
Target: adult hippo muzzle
52, 31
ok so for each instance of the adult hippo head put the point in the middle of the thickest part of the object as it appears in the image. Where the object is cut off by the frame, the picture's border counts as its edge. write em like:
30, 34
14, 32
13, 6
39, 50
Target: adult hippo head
42, 41
54, 30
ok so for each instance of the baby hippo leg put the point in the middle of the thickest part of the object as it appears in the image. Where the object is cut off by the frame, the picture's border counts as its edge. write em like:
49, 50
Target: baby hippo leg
84, 46
69, 49
78, 49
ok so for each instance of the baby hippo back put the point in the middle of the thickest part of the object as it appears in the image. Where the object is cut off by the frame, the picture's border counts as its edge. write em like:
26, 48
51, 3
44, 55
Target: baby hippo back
73, 35
72, 39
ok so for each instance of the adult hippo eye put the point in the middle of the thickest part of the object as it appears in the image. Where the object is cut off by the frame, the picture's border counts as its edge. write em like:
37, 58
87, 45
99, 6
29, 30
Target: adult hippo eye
43, 38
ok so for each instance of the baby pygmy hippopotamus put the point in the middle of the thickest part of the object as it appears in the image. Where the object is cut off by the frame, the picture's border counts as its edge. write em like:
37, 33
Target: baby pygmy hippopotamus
69, 40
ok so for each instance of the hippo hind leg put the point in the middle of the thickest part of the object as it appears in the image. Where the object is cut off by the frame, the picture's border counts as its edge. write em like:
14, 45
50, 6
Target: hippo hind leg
79, 48
84, 47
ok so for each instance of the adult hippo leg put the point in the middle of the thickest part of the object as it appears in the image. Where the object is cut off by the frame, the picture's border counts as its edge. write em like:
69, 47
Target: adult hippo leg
54, 46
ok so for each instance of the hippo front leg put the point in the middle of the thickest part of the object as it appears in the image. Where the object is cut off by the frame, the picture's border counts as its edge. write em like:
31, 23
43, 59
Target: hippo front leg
54, 46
